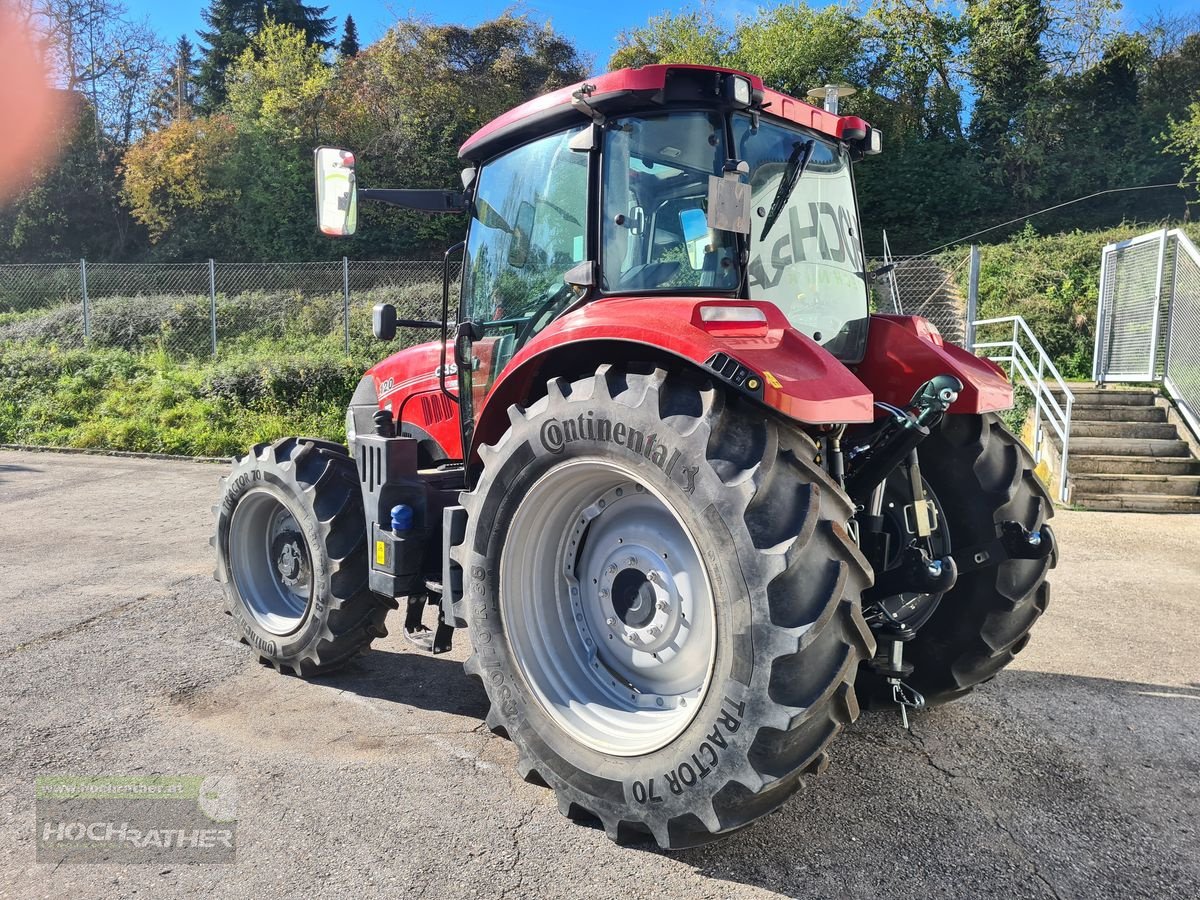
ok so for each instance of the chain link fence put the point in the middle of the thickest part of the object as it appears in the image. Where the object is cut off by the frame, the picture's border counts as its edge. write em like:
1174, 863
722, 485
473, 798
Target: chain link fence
927, 286
211, 308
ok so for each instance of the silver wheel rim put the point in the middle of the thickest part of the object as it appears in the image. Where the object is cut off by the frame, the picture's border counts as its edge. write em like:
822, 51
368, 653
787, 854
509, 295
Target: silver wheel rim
608, 608
270, 562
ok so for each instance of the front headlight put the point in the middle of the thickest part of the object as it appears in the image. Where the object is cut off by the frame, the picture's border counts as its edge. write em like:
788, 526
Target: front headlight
350, 432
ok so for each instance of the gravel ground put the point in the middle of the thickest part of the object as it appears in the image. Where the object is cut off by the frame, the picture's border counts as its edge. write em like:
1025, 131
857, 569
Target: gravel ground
1074, 774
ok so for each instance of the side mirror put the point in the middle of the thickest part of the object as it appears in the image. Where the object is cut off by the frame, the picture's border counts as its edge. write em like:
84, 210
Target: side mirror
337, 192
383, 321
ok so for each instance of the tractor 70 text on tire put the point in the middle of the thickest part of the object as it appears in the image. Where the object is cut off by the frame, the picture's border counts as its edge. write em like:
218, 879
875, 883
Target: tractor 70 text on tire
693, 504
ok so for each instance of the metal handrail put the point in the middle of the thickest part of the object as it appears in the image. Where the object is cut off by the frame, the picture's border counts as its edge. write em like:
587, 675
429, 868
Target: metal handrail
1036, 379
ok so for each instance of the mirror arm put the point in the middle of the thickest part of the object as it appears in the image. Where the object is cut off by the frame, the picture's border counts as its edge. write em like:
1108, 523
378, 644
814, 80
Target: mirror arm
427, 201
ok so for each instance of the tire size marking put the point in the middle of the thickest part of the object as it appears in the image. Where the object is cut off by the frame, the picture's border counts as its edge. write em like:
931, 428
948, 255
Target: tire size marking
485, 647
555, 435
240, 485
691, 772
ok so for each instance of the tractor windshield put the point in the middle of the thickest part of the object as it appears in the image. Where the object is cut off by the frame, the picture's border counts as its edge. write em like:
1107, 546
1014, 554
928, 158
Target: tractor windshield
807, 258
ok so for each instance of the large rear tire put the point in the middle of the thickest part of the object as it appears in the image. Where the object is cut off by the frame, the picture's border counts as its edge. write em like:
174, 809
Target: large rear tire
292, 556
663, 603
981, 475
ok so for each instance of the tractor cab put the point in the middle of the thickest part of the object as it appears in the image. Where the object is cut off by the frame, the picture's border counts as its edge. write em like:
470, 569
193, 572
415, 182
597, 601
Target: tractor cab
670, 200
654, 183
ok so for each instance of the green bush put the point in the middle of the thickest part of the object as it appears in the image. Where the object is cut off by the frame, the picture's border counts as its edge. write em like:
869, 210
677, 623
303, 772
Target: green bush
1052, 281
152, 401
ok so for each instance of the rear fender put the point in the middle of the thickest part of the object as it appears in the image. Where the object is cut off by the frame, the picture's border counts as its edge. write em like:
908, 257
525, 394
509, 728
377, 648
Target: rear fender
903, 352
767, 360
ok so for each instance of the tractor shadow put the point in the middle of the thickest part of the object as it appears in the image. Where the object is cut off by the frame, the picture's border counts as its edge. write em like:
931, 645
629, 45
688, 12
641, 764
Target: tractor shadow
1070, 757
417, 679
7, 469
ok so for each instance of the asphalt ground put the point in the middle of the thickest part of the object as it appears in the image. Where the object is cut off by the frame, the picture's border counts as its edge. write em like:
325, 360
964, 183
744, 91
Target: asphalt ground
1076, 773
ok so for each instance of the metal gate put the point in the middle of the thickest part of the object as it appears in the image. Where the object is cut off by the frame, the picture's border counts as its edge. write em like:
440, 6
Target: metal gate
1131, 295
1148, 323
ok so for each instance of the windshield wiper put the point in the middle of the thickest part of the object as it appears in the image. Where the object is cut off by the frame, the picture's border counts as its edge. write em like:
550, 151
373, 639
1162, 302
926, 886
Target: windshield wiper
797, 162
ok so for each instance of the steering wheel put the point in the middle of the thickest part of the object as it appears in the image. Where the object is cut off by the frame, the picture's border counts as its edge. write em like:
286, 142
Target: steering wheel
652, 274
544, 307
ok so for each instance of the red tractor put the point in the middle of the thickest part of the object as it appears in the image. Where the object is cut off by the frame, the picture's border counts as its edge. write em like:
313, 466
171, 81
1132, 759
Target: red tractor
692, 502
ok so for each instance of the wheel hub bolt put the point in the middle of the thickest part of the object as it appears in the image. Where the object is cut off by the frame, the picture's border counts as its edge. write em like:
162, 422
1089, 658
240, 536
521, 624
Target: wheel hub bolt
631, 562
611, 570
655, 631
663, 606
610, 621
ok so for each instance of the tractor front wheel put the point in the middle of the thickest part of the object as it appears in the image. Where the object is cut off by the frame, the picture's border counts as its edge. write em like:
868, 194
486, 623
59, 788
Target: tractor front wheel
292, 556
663, 603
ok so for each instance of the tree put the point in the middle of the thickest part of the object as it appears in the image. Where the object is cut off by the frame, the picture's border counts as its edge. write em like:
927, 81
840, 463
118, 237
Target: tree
407, 102
175, 96
690, 36
104, 64
97, 51
1008, 69
1183, 137
349, 44
71, 209
179, 185
277, 86
232, 25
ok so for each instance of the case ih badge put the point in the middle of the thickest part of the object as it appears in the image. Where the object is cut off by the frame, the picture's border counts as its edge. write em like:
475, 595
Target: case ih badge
692, 504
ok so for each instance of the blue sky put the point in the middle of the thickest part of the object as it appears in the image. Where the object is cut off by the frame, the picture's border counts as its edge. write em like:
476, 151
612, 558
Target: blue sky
592, 26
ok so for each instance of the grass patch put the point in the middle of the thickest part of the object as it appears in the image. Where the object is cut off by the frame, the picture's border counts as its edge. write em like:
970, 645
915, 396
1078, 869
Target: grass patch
153, 401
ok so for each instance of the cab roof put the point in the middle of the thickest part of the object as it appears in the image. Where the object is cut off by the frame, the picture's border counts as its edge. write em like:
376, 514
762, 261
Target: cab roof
628, 89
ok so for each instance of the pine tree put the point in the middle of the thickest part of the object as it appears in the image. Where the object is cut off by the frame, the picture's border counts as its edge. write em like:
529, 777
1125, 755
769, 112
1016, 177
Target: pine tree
176, 94
349, 45
317, 27
232, 23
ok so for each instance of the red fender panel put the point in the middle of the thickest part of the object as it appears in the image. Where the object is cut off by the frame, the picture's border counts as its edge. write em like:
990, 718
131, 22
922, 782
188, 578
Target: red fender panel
800, 379
903, 352
407, 384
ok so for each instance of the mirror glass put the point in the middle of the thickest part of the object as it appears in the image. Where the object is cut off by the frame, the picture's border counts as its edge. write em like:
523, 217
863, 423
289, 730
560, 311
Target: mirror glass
695, 234
337, 194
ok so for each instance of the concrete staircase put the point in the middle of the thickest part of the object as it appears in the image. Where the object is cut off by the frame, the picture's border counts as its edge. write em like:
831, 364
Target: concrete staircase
1127, 455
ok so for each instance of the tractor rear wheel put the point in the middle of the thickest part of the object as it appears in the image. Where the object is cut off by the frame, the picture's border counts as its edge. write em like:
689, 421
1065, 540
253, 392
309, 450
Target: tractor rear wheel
981, 475
292, 556
663, 603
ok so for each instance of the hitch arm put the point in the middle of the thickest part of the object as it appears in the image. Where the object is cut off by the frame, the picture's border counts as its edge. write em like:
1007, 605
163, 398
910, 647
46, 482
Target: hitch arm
1014, 541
